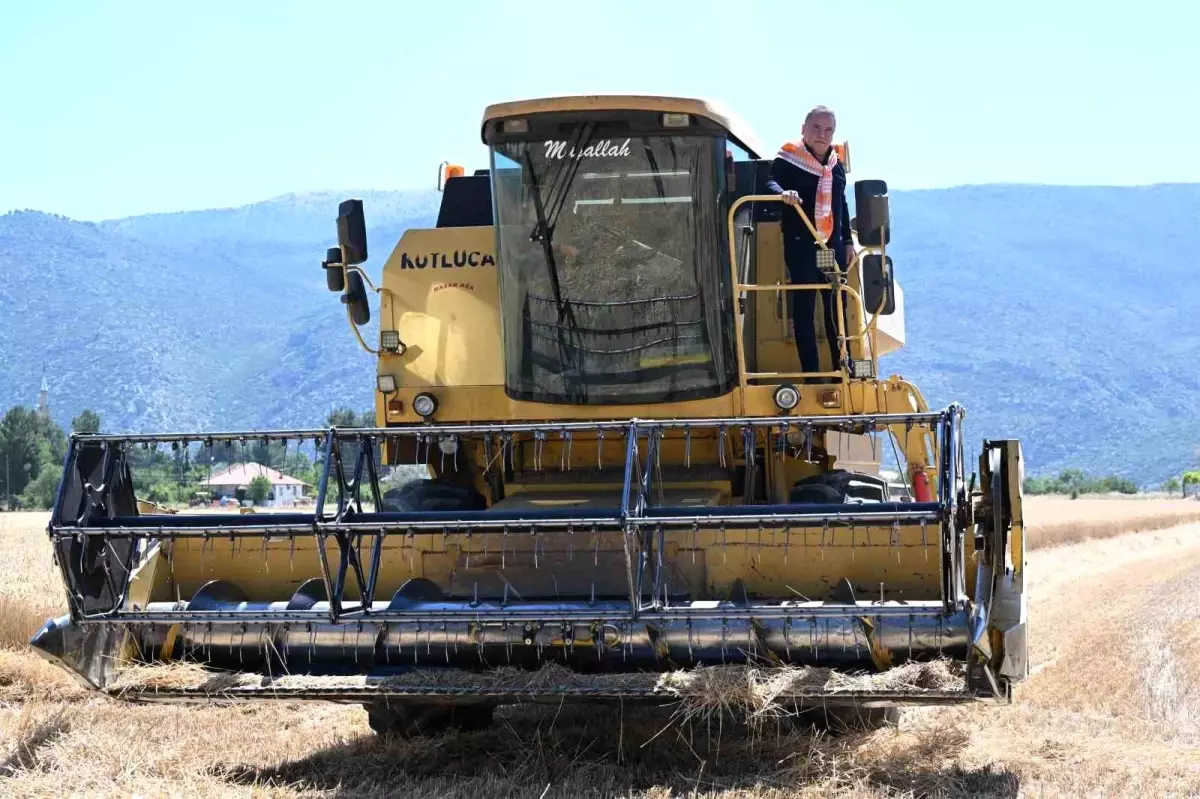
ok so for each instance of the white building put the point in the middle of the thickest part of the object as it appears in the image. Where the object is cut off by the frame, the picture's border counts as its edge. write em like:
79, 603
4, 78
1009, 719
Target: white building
284, 490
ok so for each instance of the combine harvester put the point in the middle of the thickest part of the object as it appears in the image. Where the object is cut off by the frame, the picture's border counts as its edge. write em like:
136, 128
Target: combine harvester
628, 480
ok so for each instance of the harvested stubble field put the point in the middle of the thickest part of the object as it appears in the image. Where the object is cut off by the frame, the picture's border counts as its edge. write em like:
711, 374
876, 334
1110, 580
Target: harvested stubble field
1113, 707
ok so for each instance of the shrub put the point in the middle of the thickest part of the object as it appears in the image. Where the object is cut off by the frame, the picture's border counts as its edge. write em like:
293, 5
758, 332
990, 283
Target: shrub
1075, 482
260, 489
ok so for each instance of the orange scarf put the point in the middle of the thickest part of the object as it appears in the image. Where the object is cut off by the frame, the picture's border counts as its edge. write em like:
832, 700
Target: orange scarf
796, 154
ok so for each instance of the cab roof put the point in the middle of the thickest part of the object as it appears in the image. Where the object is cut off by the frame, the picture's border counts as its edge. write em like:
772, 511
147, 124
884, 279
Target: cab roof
708, 109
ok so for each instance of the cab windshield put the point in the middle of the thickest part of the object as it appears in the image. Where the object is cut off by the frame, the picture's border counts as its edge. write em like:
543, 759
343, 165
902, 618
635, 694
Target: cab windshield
615, 276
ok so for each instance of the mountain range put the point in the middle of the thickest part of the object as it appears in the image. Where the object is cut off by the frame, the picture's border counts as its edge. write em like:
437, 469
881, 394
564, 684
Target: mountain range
1063, 316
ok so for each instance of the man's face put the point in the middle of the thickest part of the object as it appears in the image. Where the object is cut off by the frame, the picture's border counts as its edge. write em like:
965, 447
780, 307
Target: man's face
818, 132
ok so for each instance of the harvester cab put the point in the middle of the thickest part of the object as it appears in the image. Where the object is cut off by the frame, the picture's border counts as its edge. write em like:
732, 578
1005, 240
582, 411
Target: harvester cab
593, 453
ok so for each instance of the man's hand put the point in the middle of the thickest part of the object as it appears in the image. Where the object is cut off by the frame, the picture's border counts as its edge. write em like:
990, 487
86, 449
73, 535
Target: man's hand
849, 254
791, 198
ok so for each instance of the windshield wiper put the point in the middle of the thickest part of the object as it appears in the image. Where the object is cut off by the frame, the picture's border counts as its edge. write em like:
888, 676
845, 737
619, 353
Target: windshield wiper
543, 232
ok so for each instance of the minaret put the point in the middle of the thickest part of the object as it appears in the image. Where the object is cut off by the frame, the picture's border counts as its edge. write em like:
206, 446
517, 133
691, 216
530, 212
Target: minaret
44, 397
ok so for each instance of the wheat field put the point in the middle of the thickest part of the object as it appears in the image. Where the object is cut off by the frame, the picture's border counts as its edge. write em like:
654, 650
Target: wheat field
1112, 708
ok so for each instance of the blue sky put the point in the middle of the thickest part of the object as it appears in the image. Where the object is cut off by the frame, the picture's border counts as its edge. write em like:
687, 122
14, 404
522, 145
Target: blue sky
118, 108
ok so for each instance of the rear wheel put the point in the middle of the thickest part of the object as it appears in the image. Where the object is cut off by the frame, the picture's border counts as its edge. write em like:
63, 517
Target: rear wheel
415, 719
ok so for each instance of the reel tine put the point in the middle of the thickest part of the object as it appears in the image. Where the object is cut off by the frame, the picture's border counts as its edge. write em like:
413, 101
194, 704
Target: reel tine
539, 448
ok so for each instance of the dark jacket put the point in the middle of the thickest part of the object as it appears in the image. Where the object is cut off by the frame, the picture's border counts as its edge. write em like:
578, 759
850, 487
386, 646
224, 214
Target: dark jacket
798, 241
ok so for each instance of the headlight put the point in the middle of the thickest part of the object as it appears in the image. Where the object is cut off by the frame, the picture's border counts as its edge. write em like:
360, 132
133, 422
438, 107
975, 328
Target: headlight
425, 405
386, 383
389, 341
787, 397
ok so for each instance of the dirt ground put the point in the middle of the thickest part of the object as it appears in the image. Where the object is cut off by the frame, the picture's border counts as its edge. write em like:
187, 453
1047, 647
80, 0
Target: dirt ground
1112, 708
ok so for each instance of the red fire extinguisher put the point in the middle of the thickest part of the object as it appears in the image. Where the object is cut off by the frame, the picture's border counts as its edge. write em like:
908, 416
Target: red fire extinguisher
920, 484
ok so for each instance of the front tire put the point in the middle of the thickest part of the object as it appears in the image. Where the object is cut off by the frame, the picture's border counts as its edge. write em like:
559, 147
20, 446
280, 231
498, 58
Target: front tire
431, 495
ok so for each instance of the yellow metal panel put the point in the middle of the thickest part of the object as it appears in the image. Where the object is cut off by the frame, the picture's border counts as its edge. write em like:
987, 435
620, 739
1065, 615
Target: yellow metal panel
771, 562
491, 403
811, 562
775, 344
442, 294
1016, 478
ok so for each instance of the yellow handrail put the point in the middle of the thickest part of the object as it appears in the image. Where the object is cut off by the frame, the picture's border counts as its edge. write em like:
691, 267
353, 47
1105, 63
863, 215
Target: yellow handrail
836, 286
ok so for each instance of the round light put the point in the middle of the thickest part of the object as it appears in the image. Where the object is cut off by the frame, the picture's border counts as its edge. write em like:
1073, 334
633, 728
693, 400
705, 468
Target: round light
424, 404
787, 397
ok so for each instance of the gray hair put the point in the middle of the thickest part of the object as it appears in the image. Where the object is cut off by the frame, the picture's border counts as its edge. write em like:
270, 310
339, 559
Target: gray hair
821, 110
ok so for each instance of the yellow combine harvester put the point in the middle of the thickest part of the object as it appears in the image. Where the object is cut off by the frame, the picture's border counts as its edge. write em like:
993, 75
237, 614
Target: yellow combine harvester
591, 356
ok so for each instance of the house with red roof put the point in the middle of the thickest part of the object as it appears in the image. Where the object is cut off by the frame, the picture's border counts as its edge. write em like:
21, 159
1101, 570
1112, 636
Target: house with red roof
285, 490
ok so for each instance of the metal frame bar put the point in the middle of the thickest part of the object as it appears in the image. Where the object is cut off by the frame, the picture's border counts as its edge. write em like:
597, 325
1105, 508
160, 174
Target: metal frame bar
642, 522
607, 612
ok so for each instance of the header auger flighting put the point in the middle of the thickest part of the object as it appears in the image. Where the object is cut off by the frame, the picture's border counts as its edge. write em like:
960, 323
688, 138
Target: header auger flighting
625, 478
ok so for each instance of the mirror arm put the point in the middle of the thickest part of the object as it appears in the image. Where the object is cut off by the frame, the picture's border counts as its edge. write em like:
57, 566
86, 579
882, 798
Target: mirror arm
361, 341
359, 269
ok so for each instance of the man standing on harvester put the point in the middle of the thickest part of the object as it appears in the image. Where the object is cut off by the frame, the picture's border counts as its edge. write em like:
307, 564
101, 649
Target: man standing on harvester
808, 175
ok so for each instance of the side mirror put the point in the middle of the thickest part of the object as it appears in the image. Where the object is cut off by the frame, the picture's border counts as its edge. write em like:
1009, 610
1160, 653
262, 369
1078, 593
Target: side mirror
352, 232
871, 205
335, 277
356, 298
879, 293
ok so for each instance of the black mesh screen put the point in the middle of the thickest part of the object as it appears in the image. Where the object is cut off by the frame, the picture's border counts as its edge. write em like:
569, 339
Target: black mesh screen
615, 267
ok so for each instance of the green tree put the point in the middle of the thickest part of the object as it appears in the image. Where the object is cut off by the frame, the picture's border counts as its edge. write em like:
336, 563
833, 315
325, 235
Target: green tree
88, 421
345, 417
1171, 486
260, 489
20, 451
162, 493
41, 492
1074, 482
